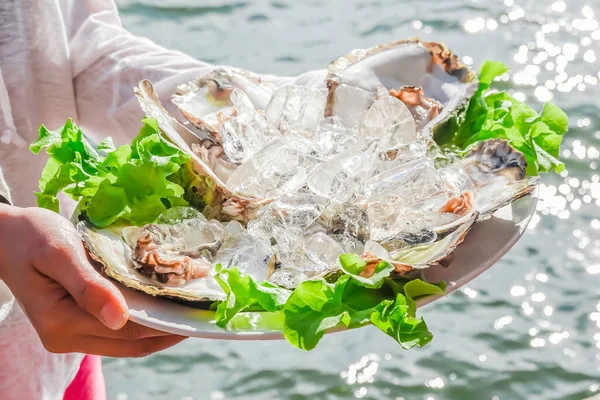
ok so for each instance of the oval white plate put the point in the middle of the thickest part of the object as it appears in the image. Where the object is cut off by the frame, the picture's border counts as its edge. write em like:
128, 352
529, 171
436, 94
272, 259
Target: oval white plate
485, 244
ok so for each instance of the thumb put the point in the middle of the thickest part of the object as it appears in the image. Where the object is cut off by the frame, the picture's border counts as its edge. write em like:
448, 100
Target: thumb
102, 299
93, 293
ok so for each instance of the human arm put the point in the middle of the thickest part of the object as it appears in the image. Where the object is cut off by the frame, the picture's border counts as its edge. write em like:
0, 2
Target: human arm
108, 61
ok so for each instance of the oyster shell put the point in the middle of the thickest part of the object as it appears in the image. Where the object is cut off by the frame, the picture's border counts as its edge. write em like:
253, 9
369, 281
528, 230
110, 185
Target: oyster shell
210, 192
118, 250
405, 66
423, 251
175, 260
201, 99
426, 249
495, 173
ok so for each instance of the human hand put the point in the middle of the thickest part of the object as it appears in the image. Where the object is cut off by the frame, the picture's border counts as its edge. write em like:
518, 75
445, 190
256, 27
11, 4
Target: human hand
70, 305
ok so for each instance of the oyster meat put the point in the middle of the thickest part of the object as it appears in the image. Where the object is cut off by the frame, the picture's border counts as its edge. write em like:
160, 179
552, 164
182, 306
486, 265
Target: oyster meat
157, 259
177, 259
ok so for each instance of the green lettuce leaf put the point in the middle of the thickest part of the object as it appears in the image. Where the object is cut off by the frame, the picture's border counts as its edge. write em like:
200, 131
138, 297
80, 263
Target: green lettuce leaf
499, 115
353, 265
316, 306
398, 318
244, 294
132, 183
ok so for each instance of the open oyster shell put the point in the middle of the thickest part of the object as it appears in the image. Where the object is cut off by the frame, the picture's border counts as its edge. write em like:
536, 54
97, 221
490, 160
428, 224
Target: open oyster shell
201, 99
426, 76
209, 163
177, 258
409, 259
405, 68
112, 250
420, 256
496, 175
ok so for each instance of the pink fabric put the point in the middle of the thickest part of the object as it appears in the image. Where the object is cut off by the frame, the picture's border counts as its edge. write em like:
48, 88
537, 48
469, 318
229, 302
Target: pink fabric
89, 381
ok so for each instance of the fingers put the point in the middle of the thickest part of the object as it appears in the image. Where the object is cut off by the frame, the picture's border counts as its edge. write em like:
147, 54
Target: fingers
131, 331
67, 328
83, 323
66, 264
116, 347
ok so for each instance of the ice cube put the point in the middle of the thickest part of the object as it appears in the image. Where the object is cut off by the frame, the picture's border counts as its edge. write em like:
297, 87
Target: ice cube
217, 228
405, 222
456, 180
417, 220
332, 137
290, 249
343, 176
402, 197
300, 210
281, 167
234, 227
349, 243
246, 132
288, 278
377, 250
401, 155
198, 231
295, 108
382, 217
262, 225
407, 184
290, 210
251, 255
346, 218
389, 120
323, 250
351, 103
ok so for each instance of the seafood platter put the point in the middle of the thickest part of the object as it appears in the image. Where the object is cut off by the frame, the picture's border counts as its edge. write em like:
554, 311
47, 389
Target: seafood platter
255, 210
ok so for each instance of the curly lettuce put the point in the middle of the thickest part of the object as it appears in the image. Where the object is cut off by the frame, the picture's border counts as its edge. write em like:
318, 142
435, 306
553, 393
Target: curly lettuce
492, 115
132, 183
315, 306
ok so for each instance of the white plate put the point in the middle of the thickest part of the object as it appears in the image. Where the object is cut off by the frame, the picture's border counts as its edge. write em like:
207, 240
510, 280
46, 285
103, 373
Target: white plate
485, 244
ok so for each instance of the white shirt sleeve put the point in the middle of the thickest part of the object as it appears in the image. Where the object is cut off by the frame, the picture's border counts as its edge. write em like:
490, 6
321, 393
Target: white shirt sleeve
108, 62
